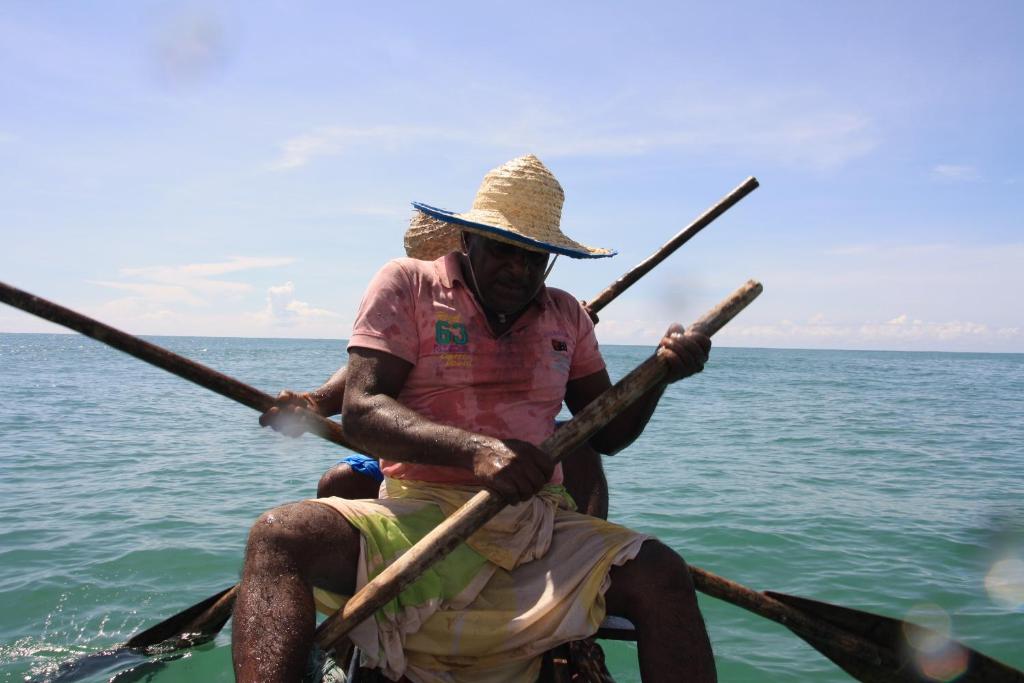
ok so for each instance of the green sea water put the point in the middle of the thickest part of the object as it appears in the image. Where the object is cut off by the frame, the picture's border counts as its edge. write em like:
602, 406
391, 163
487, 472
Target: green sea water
889, 482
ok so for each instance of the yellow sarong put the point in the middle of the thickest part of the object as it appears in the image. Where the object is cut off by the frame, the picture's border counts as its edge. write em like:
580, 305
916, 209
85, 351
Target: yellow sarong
533, 578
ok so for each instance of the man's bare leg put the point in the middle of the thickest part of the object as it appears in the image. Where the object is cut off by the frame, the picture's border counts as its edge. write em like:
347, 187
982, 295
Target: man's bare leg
290, 549
656, 593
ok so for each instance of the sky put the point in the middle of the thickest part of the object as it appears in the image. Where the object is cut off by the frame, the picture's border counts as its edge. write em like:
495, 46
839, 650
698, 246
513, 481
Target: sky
242, 169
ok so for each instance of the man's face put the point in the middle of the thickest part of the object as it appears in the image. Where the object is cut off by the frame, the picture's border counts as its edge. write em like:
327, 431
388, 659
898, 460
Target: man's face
508, 277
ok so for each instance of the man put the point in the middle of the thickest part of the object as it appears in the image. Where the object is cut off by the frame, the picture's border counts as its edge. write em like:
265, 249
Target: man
358, 476
457, 369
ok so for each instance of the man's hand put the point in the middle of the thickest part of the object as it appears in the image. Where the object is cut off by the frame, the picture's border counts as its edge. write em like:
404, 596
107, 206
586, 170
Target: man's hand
284, 415
513, 469
685, 352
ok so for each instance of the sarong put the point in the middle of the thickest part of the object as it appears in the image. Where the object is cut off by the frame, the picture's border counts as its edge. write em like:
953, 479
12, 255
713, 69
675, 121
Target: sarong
534, 577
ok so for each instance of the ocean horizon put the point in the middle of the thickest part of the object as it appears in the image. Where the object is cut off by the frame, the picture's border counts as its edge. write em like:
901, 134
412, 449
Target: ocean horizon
150, 337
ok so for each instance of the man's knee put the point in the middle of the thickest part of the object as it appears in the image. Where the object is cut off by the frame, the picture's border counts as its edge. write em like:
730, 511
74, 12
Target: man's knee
344, 482
280, 529
307, 539
656, 574
658, 561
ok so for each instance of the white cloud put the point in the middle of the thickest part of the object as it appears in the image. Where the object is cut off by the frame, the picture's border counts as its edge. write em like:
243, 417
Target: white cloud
166, 294
899, 329
284, 309
827, 140
791, 126
955, 172
898, 333
850, 250
193, 270
334, 140
633, 331
943, 297
140, 312
821, 144
928, 297
192, 284
795, 130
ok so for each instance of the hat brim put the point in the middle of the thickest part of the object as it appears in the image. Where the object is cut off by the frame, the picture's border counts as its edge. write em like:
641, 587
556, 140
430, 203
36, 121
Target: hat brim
451, 217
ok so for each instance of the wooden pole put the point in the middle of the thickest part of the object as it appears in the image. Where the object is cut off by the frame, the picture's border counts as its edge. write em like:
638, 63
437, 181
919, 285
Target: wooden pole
162, 358
484, 505
681, 238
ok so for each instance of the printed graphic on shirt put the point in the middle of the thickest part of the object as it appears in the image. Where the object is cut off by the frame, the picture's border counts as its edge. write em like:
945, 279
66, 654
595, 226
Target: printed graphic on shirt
448, 332
559, 345
451, 340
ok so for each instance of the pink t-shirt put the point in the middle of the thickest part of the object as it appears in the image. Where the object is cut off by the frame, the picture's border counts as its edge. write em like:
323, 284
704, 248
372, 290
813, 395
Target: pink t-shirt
509, 387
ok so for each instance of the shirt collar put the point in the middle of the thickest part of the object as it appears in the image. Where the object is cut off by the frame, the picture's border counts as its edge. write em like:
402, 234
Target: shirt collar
449, 270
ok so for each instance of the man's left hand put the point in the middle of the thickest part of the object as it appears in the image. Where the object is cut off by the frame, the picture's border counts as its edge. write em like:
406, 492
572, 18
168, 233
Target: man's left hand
685, 352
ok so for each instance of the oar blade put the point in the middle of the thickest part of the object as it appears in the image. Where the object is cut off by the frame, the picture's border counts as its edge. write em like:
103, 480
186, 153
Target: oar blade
934, 658
193, 626
131, 661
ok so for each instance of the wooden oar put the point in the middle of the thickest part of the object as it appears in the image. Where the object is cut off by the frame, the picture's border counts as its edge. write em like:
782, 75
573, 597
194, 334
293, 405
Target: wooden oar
168, 360
680, 238
454, 530
193, 626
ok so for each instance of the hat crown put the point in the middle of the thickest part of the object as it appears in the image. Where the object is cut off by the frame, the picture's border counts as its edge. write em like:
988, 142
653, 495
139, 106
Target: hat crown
522, 194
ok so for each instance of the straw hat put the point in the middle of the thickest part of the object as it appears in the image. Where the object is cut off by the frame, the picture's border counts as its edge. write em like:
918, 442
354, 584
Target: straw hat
428, 238
519, 202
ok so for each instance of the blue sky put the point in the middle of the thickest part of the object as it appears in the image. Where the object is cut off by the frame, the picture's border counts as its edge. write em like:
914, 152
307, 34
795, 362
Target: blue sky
242, 169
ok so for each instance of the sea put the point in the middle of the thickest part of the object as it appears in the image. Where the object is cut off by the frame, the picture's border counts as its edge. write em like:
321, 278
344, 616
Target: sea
886, 482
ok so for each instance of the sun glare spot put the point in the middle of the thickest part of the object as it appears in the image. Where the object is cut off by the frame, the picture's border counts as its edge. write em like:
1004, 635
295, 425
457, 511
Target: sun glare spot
1005, 583
946, 665
934, 627
928, 631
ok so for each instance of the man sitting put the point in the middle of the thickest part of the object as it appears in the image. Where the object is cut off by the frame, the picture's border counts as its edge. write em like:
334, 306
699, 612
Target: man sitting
457, 369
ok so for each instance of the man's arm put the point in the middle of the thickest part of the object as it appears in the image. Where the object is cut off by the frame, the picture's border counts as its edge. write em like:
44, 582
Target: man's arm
685, 354
381, 425
325, 400
330, 395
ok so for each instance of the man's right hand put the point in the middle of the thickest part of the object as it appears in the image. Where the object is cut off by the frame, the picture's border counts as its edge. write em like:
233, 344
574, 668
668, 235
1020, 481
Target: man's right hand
513, 469
284, 417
